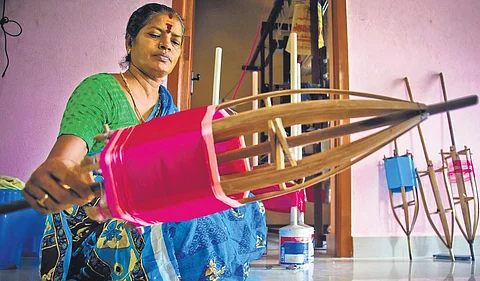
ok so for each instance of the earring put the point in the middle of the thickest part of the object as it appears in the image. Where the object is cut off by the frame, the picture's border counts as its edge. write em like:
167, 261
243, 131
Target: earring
128, 51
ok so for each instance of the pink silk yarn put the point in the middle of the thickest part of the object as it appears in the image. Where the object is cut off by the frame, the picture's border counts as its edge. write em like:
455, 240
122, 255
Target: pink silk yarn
165, 170
463, 167
282, 203
232, 167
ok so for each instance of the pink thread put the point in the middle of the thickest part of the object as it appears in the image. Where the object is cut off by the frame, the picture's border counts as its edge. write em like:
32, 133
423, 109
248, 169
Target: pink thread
232, 167
251, 51
164, 170
282, 203
463, 167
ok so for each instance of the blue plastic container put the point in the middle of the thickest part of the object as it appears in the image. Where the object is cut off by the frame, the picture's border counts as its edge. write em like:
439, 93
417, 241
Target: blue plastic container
400, 172
20, 232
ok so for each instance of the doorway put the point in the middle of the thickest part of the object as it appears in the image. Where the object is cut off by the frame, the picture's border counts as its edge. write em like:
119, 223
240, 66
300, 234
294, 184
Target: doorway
232, 26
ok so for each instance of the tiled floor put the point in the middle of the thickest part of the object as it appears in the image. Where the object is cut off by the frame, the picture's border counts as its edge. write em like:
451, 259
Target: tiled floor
336, 269
325, 268
370, 269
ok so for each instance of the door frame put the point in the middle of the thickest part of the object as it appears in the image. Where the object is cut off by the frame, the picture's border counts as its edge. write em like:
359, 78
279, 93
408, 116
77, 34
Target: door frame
179, 80
339, 241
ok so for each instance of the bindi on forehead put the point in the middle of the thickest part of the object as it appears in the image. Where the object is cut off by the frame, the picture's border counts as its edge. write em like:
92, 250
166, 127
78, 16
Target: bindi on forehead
170, 15
169, 27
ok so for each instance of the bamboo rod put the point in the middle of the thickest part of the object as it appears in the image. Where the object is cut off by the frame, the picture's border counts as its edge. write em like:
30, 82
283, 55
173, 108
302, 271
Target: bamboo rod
422, 139
281, 137
271, 133
311, 165
304, 113
448, 230
311, 91
450, 126
272, 140
462, 194
395, 151
467, 227
474, 188
319, 135
408, 227
368, 145
447, 241
355, 150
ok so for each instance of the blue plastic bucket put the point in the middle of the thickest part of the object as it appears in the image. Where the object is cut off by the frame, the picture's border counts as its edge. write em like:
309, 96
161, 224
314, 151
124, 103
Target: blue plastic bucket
400, 171
20, 232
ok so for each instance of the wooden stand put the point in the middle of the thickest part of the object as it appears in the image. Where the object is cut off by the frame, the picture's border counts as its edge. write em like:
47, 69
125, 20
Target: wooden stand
465, 196
445, 214
401, 180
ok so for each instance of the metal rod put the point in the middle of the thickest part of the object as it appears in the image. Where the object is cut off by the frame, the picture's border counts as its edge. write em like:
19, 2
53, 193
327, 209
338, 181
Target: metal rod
272, 18
409, 244
271, 51
314, 42
472, 250
14, 206
262, 63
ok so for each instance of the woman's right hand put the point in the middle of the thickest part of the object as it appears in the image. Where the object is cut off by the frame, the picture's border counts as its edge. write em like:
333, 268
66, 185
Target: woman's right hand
55, 186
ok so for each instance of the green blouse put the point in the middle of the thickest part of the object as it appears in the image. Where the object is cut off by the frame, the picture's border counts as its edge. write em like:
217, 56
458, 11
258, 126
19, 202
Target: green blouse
98, 100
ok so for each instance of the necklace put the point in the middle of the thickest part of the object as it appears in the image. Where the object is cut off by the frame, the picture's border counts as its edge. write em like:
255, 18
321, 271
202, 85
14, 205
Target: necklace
129, 90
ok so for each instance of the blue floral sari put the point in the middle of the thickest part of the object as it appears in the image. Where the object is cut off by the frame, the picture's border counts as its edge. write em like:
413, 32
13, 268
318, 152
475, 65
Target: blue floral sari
214, 247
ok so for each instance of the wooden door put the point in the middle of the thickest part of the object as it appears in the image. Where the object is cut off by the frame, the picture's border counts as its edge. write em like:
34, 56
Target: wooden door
339, 241
179, 81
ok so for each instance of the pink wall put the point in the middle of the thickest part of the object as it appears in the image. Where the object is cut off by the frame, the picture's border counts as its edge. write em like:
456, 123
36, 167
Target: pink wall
62, 43
389, 40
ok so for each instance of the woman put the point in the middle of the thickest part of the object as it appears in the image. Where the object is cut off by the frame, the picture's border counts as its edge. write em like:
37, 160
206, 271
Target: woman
75, 247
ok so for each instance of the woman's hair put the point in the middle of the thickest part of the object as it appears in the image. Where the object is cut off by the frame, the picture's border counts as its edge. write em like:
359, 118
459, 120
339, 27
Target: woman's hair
141, 17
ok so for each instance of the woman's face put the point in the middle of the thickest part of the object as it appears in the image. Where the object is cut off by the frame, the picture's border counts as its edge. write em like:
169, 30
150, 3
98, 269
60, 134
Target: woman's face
157, 47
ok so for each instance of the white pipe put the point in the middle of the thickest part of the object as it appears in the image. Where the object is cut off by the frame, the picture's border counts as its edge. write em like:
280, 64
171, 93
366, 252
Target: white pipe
216, 76
294, 131
298, 98
301, 215
293, 85
293, 60
255, 107
294, 215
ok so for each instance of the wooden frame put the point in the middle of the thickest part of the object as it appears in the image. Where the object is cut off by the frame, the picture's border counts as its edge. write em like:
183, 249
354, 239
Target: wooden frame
409, 219
179, 81
465, 195
339, 241
398, 115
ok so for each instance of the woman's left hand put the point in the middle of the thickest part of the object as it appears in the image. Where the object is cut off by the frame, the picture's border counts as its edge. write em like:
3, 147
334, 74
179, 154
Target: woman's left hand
54, 186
